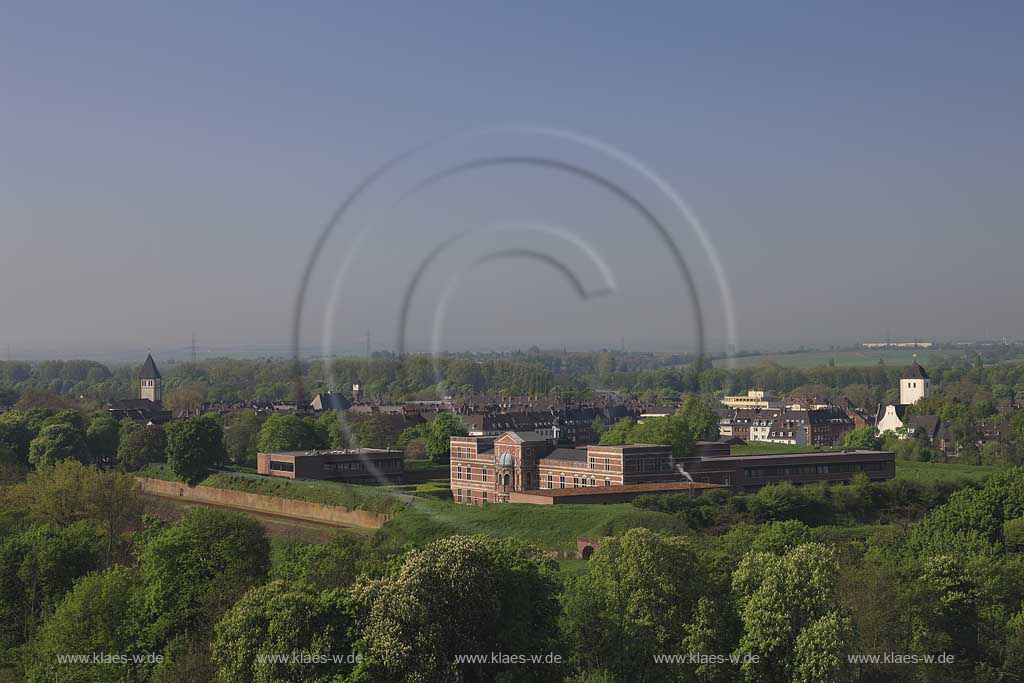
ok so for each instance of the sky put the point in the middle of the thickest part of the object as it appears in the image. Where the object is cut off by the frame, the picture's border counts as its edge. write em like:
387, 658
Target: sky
166, 171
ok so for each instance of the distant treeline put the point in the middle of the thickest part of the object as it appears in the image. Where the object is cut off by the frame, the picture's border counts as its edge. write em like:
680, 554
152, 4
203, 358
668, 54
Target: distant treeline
571, 375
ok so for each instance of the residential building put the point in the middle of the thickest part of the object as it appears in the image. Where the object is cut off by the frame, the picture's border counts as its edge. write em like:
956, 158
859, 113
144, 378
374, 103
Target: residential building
827, 426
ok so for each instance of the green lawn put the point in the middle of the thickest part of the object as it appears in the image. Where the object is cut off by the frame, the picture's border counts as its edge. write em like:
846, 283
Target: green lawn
439, 487
937, 471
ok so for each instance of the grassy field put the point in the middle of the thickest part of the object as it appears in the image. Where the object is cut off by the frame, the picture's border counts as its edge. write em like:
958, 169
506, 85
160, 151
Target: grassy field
937, 471
548, 526
808, 359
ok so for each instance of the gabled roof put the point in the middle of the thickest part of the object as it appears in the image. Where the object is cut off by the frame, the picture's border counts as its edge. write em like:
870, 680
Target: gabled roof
149, 370
915, 371
929, 424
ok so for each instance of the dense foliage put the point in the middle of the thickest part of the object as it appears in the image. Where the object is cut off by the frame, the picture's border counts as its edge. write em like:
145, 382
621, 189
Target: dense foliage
766, 588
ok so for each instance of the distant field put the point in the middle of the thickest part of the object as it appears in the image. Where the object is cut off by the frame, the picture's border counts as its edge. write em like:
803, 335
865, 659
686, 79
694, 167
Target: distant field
860, 358
936, 471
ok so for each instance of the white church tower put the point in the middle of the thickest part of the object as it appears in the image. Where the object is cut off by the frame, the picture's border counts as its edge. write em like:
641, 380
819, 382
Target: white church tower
914, 385
149, 381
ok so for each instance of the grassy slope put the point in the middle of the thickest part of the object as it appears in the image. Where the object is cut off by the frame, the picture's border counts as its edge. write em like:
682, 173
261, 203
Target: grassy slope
376, 499
549, 526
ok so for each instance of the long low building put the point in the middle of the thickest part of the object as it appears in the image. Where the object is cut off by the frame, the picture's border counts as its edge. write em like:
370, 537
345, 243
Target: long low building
607, 494
355, 465
752, 472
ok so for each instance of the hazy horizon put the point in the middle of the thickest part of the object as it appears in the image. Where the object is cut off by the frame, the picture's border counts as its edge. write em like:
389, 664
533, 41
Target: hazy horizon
166, 171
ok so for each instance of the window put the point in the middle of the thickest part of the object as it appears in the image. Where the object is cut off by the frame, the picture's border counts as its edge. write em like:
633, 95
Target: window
458, 472
607, 466
549, 481
561, 481
278, 466
484, 496
575, 482
593, 464
483, 475
458, 495
469, 471
592, 482
607, 481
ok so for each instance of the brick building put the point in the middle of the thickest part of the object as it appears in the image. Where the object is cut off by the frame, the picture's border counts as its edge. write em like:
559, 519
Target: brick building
488, 469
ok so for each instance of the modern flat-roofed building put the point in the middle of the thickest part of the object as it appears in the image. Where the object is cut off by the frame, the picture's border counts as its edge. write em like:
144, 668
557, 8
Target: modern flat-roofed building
751, 472
753, 399
355, 465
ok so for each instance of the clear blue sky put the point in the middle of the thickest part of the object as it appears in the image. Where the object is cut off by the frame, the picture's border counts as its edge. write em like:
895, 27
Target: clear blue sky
165, 170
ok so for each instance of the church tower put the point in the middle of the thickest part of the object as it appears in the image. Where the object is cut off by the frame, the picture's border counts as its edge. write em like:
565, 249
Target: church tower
914, 384
149, 381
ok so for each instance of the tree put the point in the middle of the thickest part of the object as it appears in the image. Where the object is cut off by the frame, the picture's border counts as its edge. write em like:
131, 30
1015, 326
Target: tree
637, 596
241, 436
442, 428
368, 431
140, 445
101, 615
618, 434
820, 654
68, 417
458, 595
711, 631
781, 599
35, 398
185, 398
16, 434
70, 491
700, 418
862, 438
56, 442
195, 569
37, 567
102, 437
597, 426
281, 433
194, 446
671, 430
335, 564
409, 434
276, 619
